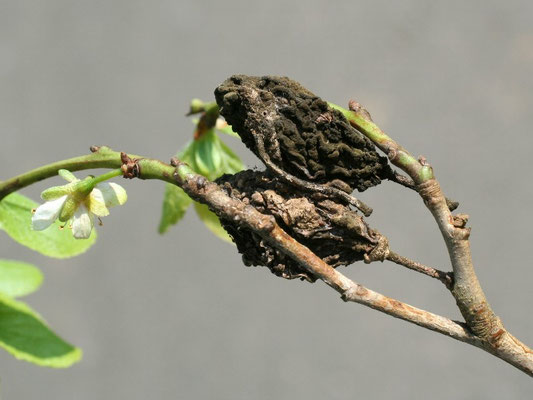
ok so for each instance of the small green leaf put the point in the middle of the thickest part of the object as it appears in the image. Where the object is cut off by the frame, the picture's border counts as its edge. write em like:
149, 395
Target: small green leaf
67, 175
19, 278
210, 157
223, 161
26, 336
213, 158
212, 222
187, 154
175, 200
15, 220
231, 162
225, 128
207, 155
196, 106
175, 204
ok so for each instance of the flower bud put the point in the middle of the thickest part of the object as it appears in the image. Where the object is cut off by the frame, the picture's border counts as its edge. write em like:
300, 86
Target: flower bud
196, 106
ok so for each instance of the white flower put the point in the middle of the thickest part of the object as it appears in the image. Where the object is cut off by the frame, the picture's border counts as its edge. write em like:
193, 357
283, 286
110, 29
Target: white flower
79, 202
47, 213
82, 223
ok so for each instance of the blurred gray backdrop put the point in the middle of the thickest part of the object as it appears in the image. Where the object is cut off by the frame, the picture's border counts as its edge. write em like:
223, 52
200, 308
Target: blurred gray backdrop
179, 316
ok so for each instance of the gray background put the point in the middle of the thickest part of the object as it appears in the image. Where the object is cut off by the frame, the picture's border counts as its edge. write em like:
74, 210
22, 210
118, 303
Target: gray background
178, 316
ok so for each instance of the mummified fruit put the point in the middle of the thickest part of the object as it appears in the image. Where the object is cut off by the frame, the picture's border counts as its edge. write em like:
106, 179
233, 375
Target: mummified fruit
332, 231
301, 134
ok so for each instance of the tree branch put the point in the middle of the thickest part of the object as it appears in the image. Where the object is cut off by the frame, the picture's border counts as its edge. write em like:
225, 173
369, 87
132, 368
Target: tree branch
206, 192
100, 157
229, 208
466, 290
499, 343
444, 277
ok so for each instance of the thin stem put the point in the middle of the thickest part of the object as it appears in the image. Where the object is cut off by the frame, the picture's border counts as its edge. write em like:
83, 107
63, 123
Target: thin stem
101, 157
208, 119
444, 277
107, 176
357, 116
407, 182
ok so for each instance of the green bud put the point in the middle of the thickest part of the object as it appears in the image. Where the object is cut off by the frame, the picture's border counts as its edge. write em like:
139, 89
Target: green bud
68, 210
67, 175
55, 192
83, 188
78, 192
196, 106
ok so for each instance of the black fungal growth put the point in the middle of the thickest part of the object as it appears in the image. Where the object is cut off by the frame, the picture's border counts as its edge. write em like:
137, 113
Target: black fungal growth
301, 134
289, 127
332, 231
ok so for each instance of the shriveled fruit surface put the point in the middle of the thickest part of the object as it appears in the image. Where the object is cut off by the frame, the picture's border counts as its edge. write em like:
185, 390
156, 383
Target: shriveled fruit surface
301, 134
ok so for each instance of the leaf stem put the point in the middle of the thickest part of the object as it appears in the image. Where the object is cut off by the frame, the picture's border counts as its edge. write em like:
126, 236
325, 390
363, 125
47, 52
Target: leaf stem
108, 175
444, 277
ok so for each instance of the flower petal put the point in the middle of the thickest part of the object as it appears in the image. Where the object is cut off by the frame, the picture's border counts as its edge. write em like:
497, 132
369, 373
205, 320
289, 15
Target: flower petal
82, 223
114, 194
96, 203
47, 213
67, 175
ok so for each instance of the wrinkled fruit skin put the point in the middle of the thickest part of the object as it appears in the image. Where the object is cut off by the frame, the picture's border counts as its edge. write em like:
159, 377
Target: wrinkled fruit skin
332, 231
305, 138
302, 135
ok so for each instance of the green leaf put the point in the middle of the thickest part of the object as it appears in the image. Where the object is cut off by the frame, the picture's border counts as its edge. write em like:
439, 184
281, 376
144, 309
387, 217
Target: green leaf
212, 222
223, 161
175, 204
26, 336
15, 220
231, 162
210, 157
175, 200
213, 158
19, 278
207, 156
187, 154
225, 128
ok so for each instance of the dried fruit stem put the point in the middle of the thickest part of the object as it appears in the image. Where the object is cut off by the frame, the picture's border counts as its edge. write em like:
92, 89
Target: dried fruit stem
444, 277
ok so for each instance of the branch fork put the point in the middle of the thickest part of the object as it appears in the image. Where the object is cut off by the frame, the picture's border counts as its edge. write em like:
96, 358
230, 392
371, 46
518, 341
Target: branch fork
467, 291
